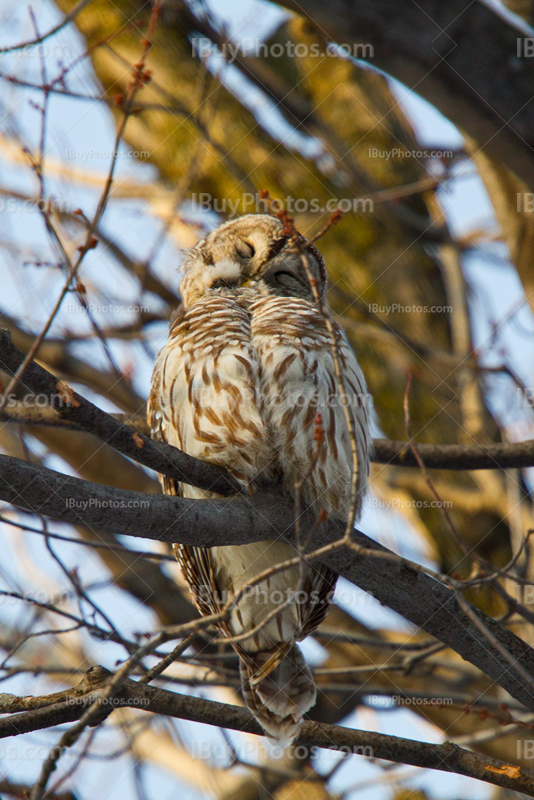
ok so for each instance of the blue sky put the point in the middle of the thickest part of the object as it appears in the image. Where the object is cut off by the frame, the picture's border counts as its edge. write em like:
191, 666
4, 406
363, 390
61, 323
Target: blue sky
85, 126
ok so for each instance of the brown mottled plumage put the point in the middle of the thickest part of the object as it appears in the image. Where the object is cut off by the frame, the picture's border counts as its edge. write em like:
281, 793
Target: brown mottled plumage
247, 368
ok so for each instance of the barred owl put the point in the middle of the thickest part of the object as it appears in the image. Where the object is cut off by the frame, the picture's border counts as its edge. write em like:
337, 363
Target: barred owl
246, 371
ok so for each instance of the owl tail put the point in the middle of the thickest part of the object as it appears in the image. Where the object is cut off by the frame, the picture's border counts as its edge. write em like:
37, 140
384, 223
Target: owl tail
279, 689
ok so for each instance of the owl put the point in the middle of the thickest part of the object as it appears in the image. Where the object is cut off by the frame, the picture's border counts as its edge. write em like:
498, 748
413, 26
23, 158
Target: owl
247, 380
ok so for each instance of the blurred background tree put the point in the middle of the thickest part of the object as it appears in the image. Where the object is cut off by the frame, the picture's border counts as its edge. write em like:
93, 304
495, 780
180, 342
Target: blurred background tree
430, 276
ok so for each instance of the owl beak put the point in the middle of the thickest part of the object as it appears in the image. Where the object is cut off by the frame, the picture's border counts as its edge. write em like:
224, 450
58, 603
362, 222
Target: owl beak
277, 246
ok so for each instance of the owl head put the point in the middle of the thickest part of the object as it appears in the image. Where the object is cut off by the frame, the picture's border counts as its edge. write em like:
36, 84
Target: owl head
253, 252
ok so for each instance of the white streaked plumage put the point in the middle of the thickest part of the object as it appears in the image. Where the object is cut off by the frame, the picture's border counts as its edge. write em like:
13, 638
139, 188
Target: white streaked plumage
247, 368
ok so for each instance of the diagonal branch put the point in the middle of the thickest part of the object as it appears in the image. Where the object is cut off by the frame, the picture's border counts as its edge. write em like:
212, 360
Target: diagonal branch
504, 455
392, 580
71, 704
485, 90
73, 407
38, 39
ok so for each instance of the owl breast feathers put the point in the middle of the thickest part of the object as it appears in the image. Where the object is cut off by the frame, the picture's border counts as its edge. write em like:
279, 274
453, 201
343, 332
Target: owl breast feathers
247, 373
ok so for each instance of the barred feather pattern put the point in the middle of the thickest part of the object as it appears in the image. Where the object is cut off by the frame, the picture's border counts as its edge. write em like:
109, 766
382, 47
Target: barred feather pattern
240, 383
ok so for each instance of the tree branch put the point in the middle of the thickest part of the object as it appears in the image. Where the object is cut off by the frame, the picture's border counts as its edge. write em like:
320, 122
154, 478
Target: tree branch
70, 705
73, 407
395, 582
456, 456
517, 455
32, 42
485, 90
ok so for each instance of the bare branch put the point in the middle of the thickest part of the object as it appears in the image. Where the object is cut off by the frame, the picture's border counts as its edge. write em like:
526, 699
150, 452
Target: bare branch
517, 455
71, 406
424, 45
445, 757
394, 581
65, 21
456, 456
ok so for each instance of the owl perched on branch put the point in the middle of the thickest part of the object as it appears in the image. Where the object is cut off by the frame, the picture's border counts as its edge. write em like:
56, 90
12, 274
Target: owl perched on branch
247, 380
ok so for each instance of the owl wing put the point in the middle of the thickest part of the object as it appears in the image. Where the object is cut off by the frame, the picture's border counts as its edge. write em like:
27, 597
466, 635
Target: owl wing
194, 562
298, 383
318, 591
203, 400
